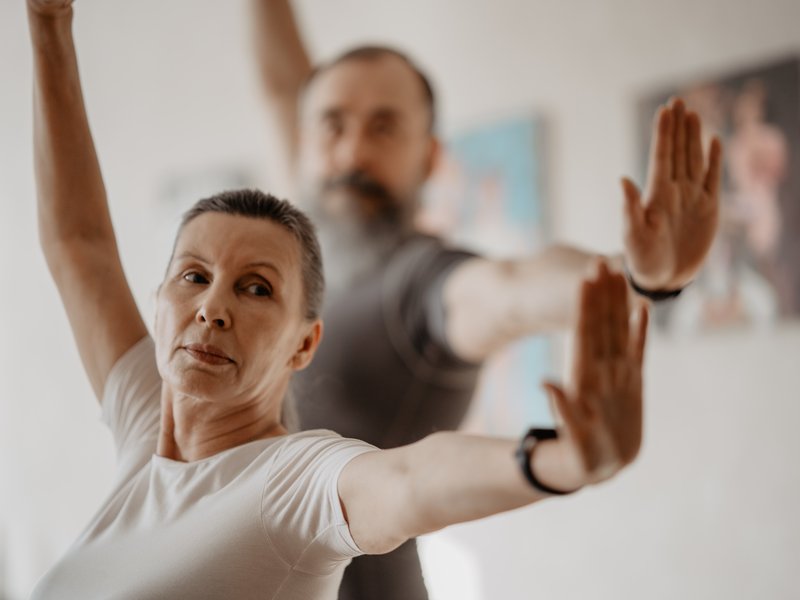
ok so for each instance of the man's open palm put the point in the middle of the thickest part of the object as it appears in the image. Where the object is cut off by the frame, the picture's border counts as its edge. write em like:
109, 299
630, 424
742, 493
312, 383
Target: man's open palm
669, 234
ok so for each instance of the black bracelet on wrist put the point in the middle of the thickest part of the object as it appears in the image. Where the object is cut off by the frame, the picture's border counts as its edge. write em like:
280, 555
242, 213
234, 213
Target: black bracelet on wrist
654, 295
524, 456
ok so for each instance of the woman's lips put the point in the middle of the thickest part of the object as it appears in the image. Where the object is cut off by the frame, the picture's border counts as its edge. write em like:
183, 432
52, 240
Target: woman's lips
208, 354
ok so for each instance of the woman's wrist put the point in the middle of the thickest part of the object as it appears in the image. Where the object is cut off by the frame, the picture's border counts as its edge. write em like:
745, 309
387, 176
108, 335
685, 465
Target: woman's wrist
553, 466
50, 33
50, 10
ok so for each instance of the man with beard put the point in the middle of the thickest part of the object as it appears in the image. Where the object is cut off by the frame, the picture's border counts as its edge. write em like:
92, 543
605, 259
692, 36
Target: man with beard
408, 321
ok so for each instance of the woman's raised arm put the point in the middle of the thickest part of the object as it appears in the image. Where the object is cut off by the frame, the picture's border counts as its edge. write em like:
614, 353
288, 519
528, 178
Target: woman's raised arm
75, 228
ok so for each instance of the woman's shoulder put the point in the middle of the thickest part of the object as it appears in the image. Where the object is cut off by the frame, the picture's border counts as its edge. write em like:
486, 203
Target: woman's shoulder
321, 439
135, 368
304, 448
131, 398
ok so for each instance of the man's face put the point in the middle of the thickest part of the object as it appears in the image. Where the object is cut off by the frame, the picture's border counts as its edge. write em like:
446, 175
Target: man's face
366, 147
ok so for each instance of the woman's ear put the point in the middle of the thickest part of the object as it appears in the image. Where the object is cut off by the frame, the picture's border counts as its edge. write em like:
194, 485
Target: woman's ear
308, 346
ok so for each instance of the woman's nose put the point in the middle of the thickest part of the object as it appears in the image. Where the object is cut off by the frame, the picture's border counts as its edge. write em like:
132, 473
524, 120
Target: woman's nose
218, 322
214, 313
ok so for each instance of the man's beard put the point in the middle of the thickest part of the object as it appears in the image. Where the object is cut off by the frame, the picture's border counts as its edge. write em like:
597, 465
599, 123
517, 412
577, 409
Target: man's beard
359, 222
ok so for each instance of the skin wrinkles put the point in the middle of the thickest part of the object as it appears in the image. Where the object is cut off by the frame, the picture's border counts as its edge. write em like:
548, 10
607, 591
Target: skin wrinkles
198, 257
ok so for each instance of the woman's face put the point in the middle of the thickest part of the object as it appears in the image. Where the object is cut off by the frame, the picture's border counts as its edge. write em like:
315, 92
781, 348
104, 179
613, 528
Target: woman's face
229, 318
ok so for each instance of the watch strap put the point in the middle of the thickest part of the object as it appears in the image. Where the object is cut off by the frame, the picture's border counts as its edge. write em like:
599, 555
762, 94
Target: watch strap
524, 456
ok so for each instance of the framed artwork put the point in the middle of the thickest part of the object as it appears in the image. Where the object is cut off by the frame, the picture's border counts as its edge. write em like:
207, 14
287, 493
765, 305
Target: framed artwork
753, 273
488, 197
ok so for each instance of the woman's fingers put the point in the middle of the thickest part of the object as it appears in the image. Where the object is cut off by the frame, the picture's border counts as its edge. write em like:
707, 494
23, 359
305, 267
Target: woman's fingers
602, 329
602, 410
587, 343
640, 337
602, 300
618, 323
565, 413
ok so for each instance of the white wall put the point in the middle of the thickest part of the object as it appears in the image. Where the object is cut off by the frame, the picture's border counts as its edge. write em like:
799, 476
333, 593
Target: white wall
710, 509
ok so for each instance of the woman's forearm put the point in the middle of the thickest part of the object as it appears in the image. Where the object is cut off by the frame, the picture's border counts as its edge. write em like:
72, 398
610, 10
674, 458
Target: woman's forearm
455, 477
444, 479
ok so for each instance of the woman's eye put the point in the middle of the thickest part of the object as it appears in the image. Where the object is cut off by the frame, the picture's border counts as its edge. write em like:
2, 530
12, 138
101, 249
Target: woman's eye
259, 289
195, 277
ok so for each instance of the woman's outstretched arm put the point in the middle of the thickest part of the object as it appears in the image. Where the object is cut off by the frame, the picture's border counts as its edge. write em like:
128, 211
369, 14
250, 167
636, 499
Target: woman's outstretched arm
447, 478
75, 229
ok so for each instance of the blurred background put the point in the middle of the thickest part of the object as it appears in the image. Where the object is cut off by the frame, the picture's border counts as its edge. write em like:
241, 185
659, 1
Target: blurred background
559, 89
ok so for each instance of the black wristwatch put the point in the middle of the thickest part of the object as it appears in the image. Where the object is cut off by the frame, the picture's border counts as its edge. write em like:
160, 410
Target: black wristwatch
654, 295
524, 456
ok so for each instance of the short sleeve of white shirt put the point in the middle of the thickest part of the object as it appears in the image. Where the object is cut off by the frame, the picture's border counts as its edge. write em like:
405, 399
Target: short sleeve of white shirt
301, 510
131, 404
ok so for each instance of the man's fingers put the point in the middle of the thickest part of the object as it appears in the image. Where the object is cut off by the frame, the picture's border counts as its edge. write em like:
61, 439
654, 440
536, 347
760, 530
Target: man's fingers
660, 168
679, 140
634, 211
714, 172
695, 147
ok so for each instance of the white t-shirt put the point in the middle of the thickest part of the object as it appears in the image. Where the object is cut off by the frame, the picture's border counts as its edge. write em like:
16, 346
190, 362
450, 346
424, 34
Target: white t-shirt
261, 520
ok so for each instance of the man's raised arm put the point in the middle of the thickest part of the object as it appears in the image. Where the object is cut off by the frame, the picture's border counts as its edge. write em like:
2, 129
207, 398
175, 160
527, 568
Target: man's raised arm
284, 66
75, 229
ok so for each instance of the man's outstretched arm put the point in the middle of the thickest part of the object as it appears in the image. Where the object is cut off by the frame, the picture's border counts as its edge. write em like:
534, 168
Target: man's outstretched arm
284, 66
668, 234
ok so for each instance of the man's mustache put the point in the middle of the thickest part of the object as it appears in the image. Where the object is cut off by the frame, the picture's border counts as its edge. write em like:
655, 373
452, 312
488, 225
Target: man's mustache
362, 184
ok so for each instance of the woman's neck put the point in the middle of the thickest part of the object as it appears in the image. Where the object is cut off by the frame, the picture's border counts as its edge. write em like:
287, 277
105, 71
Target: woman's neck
193, 429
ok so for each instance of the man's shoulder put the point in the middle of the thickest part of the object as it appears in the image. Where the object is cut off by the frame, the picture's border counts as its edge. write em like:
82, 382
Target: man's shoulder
427, 250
